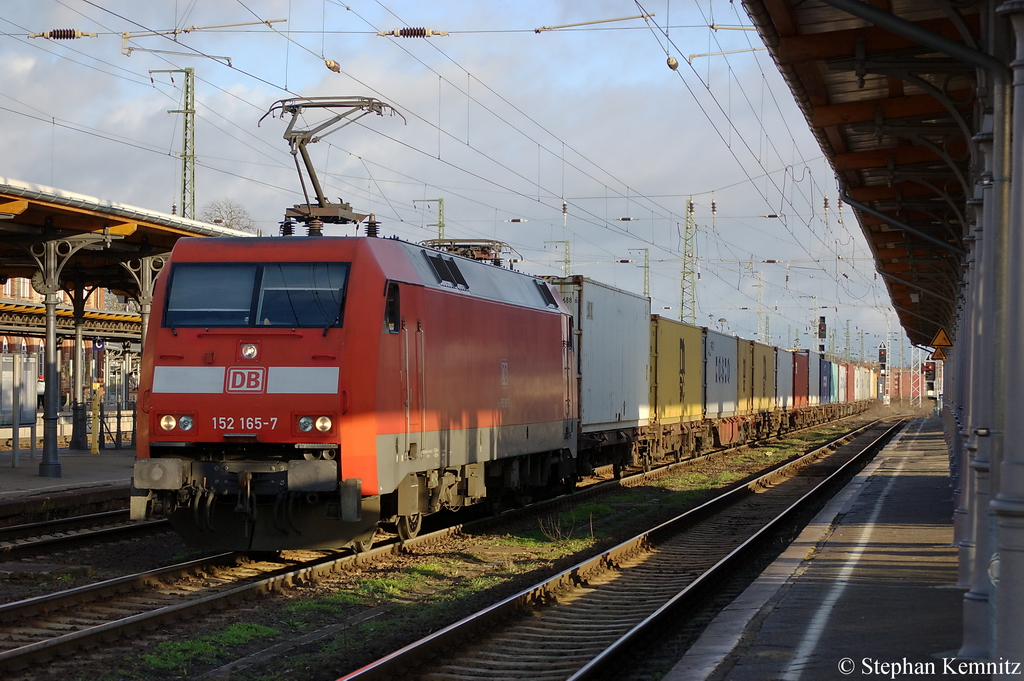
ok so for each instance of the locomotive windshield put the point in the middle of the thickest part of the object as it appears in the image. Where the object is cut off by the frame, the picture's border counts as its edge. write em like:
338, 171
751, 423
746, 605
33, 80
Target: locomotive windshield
290, 294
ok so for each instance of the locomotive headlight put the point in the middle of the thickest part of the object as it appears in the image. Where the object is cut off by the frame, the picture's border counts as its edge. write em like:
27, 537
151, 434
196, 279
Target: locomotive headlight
185, 422
323, 424
306, 424
168, 422
249, 350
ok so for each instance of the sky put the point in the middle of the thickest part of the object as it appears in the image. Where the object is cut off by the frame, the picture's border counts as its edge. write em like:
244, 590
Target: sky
501, 121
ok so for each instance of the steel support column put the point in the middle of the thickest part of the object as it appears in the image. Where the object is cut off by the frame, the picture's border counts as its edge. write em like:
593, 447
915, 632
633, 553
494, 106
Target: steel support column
975, 549
1000, 300
50, 467
963, 532
50, 257
1008, 504
79, 438
144, 271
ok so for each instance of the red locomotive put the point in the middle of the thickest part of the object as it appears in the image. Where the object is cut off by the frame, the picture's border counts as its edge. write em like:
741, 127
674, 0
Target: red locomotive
297, 391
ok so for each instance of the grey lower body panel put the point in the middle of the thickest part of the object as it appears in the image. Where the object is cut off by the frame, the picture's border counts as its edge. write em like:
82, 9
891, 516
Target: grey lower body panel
396, 458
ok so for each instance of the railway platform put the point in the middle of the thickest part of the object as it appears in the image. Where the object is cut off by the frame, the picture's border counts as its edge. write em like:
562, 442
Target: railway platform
85, 478
868, 589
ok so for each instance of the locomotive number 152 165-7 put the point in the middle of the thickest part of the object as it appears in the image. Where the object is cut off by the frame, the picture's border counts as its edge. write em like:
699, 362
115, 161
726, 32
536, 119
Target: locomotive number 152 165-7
244, 423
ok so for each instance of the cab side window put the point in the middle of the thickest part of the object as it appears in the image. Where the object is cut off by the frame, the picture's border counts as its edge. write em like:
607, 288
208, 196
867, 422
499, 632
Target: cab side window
392, 312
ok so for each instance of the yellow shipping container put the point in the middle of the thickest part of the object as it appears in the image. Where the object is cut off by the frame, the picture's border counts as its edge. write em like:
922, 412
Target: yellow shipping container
745, 376
677, 382
764, 377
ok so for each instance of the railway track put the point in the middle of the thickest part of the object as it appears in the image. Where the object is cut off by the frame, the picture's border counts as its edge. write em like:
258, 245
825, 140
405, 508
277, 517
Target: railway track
19, 541
635, 475
40, 628
32, 539
578, 624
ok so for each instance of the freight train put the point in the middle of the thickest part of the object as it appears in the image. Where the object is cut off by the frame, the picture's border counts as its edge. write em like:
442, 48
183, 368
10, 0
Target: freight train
297, 392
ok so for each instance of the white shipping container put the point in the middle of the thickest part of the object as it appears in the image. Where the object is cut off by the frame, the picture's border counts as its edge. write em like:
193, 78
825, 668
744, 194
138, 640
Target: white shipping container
833, 385
27, 392
613, 349
864, 390
783, 379
720, 375
839, 374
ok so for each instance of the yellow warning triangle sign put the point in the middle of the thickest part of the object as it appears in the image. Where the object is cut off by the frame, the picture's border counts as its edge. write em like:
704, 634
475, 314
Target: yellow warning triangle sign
938, 354
941, 340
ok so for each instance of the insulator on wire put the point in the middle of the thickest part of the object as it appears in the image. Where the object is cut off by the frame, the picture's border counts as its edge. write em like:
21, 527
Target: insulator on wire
63, 34
412, 33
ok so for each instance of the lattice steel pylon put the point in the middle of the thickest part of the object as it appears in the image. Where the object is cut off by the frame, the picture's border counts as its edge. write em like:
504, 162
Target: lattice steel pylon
566, 260
188, 142
647, 269
440, 214
762, 317
688, 280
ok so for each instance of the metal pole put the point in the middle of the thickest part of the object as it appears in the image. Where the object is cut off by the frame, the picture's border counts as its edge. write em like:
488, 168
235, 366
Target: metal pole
1008, 504
978, 617
16, 412
50, 466
78, 434
1002, 304
963, 534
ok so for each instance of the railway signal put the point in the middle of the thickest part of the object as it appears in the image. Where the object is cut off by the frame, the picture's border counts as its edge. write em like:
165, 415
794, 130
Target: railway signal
928, 369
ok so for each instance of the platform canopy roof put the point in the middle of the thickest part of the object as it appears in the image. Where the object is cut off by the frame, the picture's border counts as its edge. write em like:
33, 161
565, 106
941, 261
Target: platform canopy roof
113, 237
899, 122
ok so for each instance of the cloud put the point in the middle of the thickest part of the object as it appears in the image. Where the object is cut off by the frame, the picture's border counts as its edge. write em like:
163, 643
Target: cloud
501, 122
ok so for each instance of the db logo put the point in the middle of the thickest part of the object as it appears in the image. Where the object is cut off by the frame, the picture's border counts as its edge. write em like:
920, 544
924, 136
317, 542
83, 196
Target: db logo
246, 379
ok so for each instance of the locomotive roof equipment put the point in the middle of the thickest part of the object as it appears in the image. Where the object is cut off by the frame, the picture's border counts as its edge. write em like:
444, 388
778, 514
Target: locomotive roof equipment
344, 111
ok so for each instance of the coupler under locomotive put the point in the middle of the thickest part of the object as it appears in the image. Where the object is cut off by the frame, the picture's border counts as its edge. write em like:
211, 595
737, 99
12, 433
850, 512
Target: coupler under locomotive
247, 505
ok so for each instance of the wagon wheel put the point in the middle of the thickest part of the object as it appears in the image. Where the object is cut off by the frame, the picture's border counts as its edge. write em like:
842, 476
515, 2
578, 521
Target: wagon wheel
409, 526
363, 543
493, 502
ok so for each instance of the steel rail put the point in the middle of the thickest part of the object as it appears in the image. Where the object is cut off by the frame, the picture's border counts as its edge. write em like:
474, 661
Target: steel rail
18, 658
601, 663
659, 471
40, 540
23, 656
459, 633
21, 531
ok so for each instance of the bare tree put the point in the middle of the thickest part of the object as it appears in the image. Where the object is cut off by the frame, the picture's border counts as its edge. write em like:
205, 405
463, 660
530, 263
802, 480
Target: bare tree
227, 213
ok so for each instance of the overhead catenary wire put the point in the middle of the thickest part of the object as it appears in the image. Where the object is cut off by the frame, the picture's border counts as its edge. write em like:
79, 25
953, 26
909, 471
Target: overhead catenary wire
550, 199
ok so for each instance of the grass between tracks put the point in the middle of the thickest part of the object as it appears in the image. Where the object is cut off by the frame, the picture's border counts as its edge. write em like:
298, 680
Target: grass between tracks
357, 618
178, 657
